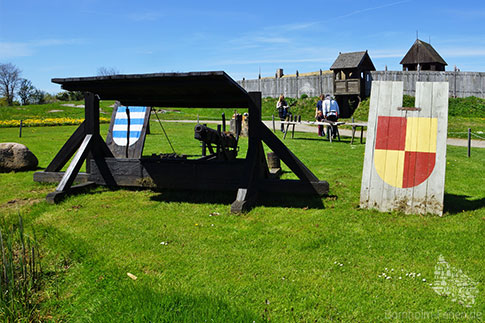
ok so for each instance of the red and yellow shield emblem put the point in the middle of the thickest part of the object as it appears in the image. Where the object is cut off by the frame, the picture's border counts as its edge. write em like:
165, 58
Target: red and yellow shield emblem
405, 150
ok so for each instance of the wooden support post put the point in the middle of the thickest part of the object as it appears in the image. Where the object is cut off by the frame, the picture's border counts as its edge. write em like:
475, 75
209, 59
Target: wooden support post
71, 172
248, 191
66, 152
274, 127
20, 129
469, 141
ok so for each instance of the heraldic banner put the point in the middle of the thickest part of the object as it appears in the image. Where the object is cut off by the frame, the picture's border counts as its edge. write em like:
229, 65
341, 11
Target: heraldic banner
405, 153
127, 131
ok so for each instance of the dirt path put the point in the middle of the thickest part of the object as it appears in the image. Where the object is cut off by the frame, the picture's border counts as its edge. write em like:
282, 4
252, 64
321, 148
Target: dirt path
343, 132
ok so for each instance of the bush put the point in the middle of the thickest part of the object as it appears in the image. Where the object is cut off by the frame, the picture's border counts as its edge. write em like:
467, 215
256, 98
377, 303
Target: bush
467, 107
62, 96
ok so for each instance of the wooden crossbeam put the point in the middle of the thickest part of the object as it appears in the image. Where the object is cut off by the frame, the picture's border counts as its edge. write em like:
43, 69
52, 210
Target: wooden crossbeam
71, 172
67, 150
286, 155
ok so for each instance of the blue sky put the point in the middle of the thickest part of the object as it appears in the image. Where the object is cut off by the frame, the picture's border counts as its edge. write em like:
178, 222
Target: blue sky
51, 38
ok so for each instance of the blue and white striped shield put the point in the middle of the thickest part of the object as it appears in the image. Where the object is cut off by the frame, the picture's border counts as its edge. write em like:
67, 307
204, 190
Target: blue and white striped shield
120, 127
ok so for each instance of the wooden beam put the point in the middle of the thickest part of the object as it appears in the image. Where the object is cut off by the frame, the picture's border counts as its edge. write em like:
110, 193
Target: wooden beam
286, 155
72, 171
247, 193
91, 113
56, 177
67, 150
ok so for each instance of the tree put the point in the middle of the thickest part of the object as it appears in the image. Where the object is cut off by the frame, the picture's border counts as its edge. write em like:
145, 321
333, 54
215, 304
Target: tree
39, 97
106, 71
26, 91
9, 81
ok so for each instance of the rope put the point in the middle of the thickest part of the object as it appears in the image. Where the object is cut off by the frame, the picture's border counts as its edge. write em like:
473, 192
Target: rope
166, 136
478, 136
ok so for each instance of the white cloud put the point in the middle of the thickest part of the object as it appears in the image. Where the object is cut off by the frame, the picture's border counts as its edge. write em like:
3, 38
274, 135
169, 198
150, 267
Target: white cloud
462, 52
355, 12
274, 40
11, 49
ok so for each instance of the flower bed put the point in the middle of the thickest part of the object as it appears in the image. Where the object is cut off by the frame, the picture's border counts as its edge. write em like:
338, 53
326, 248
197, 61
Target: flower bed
46, 122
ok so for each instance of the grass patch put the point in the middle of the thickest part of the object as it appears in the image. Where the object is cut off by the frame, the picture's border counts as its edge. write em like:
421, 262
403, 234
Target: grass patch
19, 273
277, 262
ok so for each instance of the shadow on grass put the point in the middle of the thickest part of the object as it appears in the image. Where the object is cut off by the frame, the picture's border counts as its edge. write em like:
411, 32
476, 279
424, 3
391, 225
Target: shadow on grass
454, 204
265, 199
104, 293
141, 303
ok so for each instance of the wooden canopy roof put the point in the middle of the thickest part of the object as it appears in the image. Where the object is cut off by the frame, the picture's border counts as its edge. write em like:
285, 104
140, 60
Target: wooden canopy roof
195, 89
353, 60
422, 52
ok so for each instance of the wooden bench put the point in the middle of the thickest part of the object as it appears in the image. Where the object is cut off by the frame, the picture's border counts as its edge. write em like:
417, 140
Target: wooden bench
354, 128
318, 123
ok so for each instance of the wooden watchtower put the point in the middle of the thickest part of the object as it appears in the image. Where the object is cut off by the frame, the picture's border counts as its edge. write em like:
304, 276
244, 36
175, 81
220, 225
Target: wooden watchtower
423, 57
350, 73
248, 176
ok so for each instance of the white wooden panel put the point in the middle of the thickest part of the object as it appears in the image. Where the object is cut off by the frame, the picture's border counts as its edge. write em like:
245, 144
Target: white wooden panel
392, 187
388, 191
369, 145
436, 182
424, 100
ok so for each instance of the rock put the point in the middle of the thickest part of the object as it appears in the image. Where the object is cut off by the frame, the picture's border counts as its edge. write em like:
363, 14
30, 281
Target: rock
16, 157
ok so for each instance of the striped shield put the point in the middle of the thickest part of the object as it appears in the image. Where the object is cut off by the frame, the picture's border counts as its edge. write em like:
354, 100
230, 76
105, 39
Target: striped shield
120, 127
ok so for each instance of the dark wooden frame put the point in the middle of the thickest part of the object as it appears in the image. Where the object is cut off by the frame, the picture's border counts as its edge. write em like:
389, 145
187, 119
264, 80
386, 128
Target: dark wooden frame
249, 176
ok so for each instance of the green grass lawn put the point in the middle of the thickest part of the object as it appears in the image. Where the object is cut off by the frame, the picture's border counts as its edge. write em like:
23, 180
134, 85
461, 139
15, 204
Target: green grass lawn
286, 260
464, 113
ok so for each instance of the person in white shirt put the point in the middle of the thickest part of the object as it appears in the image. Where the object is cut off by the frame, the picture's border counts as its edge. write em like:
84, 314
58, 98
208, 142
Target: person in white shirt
331, 111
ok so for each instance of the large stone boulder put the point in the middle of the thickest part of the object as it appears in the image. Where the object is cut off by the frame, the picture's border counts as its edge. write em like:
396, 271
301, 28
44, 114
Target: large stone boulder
16, 157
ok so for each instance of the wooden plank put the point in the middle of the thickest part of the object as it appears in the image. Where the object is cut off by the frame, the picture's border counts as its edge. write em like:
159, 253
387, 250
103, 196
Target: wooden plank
287, 156
369, 145
67, 150
390, 199
170, 174
75, 165
380, 190
248, 189
436, 182
55, 177
91, 113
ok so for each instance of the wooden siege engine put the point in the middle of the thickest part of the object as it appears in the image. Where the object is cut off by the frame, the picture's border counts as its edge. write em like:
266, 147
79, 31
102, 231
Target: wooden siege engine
248, 176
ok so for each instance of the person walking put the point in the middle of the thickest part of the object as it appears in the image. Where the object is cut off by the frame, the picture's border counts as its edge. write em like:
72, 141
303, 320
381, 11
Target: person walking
319, 115
283, 108
331, 112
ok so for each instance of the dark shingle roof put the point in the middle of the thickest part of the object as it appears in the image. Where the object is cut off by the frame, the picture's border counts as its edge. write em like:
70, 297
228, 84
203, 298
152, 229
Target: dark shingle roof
422, 52
350, 60
195, 89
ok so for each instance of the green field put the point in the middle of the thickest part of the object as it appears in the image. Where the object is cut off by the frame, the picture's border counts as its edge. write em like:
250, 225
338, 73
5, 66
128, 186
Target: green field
464, 113
289, 259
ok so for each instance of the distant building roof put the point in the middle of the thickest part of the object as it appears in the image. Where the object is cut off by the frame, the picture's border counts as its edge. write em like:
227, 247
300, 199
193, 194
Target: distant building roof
422, 52
353, 60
